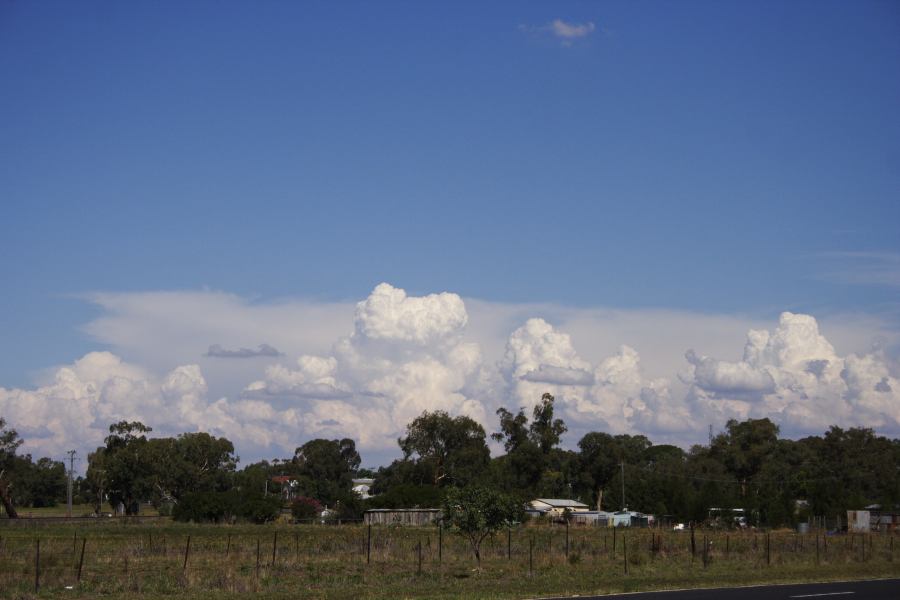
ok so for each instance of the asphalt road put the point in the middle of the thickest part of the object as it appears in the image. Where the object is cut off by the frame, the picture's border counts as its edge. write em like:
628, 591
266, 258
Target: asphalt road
881, 589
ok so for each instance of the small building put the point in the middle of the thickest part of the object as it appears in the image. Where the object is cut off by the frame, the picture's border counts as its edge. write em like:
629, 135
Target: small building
555, 507
402, 516
858, 521
596, 518
630, 518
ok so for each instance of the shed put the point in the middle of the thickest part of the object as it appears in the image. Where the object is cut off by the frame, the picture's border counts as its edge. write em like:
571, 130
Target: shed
555, 507
402, 516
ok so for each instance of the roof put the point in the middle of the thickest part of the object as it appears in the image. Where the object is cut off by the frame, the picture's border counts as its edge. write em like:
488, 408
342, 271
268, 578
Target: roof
561, 502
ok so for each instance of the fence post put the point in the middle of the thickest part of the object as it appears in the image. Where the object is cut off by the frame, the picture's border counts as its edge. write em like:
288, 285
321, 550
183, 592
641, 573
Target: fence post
187, 552
531, 556
37, 566
228, 545
817, 548
81, 560
419, 552
257, 559
274, 547
369, 545
768, 550
614, 542
625, 550
693, 542
508, 543
567, 538
727, 545
440, 543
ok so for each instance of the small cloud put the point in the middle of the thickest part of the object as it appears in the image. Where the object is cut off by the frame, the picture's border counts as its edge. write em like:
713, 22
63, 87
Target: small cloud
559, 376
562, 30
861, 268
217, 351
571, 31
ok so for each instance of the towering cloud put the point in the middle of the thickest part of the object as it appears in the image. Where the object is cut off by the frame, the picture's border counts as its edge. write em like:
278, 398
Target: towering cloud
404, 354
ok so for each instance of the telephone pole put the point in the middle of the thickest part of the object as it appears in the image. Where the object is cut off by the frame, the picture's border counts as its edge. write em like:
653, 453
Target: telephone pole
71, 454
623, 485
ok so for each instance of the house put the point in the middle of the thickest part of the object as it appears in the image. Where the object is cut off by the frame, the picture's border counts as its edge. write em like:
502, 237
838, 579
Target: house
362, 487
288, 485
555, 507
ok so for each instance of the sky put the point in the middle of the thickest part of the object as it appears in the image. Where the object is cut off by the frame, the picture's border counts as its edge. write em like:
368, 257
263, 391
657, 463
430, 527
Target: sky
276, 221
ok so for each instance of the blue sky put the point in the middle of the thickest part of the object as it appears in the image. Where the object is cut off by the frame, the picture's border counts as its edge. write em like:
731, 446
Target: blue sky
713, 157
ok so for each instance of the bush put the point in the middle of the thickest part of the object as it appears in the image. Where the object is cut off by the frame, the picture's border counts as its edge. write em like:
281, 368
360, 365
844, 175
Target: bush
305, 508
201, 507
205, 507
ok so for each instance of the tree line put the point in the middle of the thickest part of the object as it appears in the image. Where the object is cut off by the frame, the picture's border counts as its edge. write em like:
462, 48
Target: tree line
777, 481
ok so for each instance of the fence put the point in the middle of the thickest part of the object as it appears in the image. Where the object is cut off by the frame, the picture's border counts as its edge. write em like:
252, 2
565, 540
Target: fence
166, 559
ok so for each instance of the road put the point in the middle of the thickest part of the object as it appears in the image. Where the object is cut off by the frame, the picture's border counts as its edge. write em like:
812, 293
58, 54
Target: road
880, 589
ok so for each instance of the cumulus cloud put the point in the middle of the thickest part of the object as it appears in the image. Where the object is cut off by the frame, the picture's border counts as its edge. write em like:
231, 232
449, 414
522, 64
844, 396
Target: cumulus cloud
76, 408
794, 376
392, 355
218, 351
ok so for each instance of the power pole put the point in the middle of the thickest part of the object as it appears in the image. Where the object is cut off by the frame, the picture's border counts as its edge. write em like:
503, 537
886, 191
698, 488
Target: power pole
623, 485
71, 454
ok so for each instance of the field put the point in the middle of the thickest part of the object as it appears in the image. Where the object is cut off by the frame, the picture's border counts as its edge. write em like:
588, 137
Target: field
128, 559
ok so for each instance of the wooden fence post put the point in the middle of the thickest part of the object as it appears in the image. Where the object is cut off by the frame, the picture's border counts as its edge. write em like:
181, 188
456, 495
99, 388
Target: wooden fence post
257, 559
37, 566
228, 545
567, 538
531, 556
419, 552
625, 550
768, 550
81, 560
187, 552
508, 543
440, 543
369, 545
274, 547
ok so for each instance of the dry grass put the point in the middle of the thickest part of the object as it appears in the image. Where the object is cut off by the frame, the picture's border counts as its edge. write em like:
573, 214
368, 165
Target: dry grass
148, 560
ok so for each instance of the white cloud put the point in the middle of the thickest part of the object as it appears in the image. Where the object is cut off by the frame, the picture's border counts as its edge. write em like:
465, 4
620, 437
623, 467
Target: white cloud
571, 31
562, 30
795, 377
365, 370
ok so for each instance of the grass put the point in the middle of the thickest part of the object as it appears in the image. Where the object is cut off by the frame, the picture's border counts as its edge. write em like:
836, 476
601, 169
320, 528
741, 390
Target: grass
78, 510
148, 560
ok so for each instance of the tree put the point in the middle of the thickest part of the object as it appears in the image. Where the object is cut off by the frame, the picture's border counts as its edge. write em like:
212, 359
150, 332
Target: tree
545, 430
9, 443
325, 469
121, 471
452, 449
476, 512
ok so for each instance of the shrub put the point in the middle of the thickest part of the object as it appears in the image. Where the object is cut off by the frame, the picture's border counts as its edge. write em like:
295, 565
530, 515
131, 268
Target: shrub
305, 508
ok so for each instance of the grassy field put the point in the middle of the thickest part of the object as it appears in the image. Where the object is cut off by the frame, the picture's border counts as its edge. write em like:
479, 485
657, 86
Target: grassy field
123, 559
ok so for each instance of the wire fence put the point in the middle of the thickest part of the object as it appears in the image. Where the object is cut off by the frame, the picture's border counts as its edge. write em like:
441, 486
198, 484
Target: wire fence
160, 559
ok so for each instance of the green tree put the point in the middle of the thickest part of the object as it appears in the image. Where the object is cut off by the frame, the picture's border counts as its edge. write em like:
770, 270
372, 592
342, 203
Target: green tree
451, 449
475, 512
325, 469
9, 443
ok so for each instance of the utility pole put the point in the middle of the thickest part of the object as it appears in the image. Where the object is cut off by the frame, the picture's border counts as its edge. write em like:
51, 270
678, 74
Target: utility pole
623, 485
71, 454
